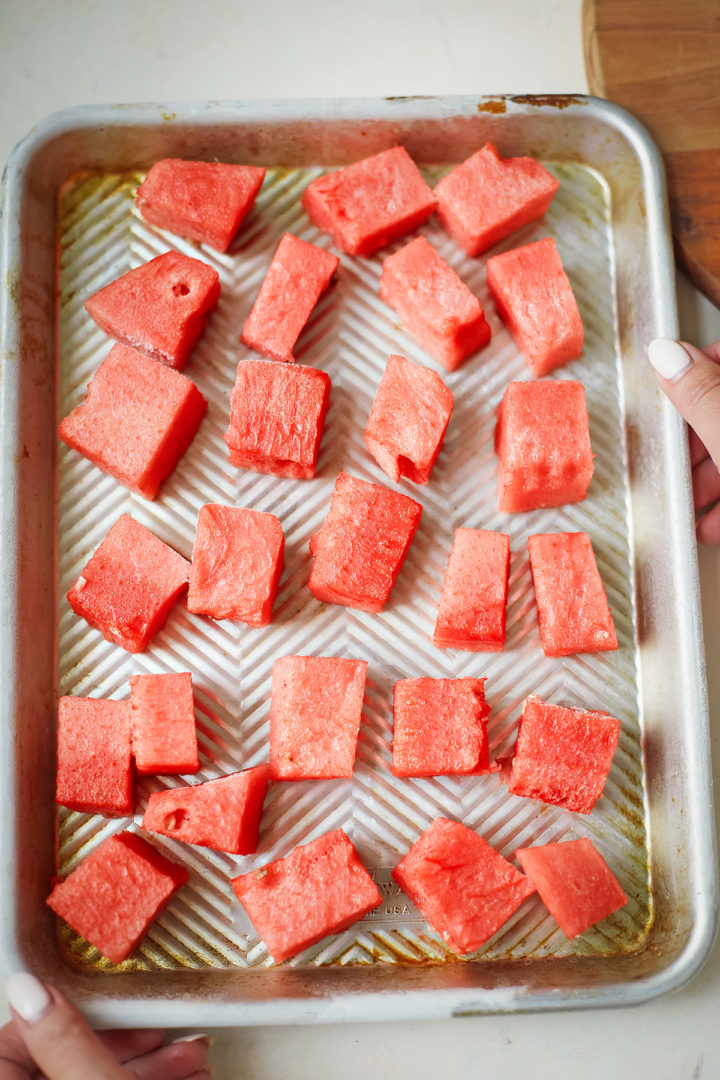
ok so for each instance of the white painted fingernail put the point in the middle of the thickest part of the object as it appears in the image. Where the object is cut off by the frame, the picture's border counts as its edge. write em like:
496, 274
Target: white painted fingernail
669, 358
28, 997
194, 1038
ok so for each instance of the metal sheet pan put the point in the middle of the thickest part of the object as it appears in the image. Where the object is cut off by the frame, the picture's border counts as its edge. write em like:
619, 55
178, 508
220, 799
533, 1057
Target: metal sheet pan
69, 189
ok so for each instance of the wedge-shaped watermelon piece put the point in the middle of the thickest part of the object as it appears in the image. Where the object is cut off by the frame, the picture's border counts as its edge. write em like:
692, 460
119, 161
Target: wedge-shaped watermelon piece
433, 303
161, 307
164, 739
464, 888
574, 882
408, 420
488, 197
277, 414
318, 889
116, 893
137, 420
563, 755
370, 203
315, 712
535, 299
222, 814
573, 610
203, 200
473, 603
440, 727
299, 273
362, 544
94, 756
129, 585
542, 440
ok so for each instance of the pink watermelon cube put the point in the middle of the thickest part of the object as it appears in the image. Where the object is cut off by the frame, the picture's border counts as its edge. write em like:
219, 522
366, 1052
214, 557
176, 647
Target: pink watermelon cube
318, 889
362, 544
222, 814
277, 414
315, 712
487, 197
440, 728
161, 307
94, 756
433, 303
542, 440
464, 888
563, 755
164, 739
370, 203
116, 893
137, 420
574, 882
203, 200
535, 299
573, 611
299, 273
129, 585
408, 420
472, 610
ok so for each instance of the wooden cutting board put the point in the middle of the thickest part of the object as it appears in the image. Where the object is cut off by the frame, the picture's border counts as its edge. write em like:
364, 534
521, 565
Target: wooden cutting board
660, 59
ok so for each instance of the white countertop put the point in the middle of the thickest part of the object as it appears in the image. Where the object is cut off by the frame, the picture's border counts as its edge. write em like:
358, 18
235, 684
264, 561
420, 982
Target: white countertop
71, 52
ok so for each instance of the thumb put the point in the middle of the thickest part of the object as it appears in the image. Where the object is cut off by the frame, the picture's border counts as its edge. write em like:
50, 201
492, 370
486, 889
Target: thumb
691, 380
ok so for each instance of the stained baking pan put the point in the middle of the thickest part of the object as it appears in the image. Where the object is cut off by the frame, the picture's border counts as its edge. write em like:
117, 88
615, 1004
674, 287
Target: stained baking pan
69, 227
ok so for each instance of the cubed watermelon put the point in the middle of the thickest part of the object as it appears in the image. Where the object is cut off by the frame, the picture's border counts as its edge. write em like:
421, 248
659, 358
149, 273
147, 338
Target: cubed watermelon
573, 610
563, 755
535, 299
129, 585
94, 756
488, 197
137, 420
299, 273
318, 889
315, 712
277, 413
574, 882
462, 886
542, 439
440, 727
164, 739
472, 610
408, 420
222, 814
433, 303
116, 892
203, 200
371, 202
362, 544
161, 307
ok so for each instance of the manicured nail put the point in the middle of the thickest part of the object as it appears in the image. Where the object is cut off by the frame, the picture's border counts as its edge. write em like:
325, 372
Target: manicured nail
669, 358
207, 1039
28, 997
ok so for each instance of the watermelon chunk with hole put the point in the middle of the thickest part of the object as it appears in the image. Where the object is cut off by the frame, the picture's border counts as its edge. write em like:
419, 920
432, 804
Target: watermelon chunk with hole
408, 420
116, 893
362, 544
435, 305
462, 886
94, 756
370, 203
473, 603
202, 200
298, 275
160, 308
440, 727
573, 610
574, 882
315, 711
129, 585
534, 298
164, 737
318, 889
222, 814
137, 420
